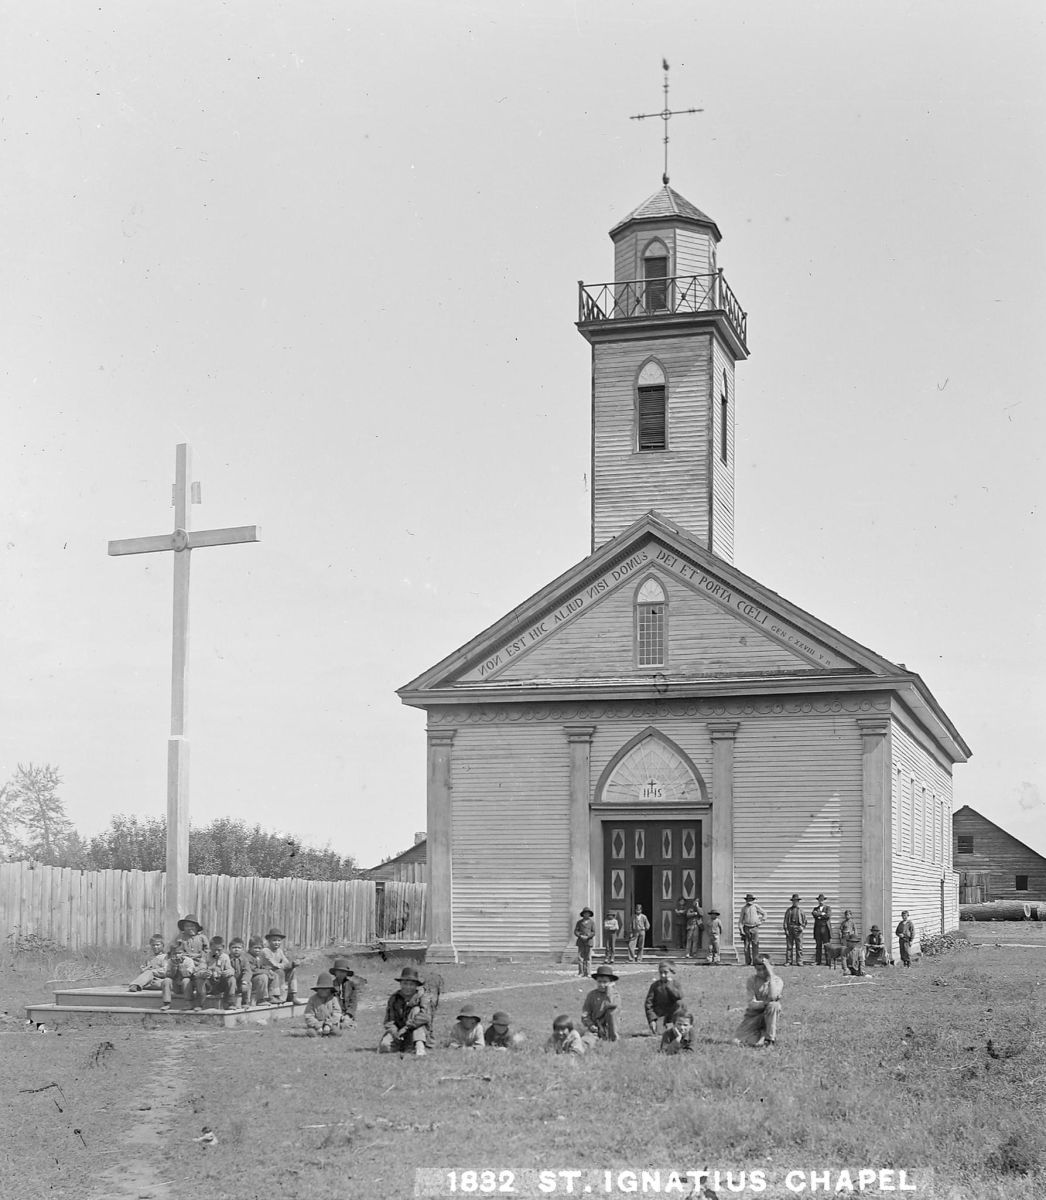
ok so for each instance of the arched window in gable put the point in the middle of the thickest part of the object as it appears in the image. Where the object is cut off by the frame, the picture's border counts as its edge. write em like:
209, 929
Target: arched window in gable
651, 605
651, 408
655, 276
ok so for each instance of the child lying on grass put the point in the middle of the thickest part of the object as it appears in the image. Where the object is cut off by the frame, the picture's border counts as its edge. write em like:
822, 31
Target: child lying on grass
565, 1038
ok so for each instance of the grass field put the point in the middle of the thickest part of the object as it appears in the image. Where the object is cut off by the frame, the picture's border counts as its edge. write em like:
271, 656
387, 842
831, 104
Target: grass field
942, 1067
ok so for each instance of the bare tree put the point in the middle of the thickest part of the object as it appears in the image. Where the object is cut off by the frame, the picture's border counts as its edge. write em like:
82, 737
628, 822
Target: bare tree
39, 810
9, 824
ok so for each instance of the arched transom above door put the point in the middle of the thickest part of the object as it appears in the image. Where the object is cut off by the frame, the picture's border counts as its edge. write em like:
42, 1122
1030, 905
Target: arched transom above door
652, 770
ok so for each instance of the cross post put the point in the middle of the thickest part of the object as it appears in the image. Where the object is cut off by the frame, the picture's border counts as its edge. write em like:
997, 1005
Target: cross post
182, 543
666, 114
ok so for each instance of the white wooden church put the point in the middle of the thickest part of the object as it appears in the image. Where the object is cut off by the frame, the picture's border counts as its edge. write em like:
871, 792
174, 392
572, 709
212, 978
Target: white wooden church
654, 723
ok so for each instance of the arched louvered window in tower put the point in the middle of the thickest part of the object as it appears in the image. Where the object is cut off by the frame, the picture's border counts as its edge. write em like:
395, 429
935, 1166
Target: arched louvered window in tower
651, 409
651, 621
655, 276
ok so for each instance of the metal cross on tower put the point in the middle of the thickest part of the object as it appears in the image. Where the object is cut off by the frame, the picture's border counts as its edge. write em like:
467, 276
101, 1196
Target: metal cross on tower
666, 114
182, 542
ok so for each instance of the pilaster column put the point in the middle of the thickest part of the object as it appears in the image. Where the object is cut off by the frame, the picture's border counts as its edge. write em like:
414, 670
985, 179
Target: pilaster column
876, 828
579, 742
723, 735
439, 832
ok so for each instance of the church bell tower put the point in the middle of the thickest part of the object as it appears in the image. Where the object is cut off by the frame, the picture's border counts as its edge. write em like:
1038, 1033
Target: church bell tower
665, 337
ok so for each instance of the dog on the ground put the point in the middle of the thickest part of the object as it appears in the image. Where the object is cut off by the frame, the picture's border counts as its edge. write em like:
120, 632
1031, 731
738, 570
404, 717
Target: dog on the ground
834, 954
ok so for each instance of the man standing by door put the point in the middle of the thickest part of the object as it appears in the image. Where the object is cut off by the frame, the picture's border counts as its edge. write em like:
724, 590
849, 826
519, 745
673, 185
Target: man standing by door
752, 916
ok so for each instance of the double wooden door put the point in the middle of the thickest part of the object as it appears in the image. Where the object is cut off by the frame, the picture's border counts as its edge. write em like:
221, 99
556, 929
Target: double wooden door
652, 863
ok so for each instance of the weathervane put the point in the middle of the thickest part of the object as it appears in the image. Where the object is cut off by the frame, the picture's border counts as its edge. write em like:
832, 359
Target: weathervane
666, 114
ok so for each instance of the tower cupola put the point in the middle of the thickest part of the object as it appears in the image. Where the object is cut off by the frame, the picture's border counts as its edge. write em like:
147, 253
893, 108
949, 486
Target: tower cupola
665, 336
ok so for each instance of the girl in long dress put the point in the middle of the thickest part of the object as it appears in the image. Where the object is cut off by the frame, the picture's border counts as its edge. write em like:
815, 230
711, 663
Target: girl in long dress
759, 1025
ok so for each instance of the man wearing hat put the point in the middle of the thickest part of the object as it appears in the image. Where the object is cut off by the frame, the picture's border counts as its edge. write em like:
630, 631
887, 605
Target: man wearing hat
408, 1017
187, 953
794, 924
752, 916
323, 1012
282, 983
822, 917
585, 935
599, 1012
467, 1031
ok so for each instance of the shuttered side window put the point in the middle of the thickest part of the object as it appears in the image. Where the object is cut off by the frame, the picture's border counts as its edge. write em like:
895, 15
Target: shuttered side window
651, 418
655, 276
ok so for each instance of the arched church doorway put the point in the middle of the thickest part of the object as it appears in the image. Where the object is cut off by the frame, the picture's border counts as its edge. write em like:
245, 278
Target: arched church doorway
653, 808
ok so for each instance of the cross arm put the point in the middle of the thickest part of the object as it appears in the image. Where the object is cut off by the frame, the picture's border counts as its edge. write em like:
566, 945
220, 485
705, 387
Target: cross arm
180, 540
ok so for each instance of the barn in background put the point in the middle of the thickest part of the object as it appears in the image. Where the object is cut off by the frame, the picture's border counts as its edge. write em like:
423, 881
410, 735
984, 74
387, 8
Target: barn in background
992, 864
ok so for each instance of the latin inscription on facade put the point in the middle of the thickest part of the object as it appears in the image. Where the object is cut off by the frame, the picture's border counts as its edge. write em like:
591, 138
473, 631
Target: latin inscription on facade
651, 555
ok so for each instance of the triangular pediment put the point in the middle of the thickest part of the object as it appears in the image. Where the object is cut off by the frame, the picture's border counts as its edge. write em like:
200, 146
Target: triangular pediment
579, 632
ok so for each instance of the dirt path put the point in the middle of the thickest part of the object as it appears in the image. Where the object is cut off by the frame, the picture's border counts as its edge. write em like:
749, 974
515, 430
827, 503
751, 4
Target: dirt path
142, 1173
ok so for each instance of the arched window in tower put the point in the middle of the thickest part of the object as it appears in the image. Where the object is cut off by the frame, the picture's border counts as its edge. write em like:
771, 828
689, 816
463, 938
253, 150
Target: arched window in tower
651, 409
655, 276
651, 619
724, 418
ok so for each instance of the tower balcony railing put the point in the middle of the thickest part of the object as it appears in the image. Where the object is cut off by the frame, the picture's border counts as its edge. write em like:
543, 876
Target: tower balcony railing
637, 298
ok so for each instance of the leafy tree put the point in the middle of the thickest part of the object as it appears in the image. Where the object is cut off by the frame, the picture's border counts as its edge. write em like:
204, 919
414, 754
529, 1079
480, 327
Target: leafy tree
39, 811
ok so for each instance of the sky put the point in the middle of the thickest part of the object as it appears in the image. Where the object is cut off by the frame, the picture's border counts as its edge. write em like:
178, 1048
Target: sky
335, 247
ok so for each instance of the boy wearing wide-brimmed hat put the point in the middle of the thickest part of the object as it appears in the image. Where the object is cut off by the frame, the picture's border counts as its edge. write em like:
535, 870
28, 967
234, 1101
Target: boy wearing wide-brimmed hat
323, 1012
467, 1031
186, 953
408, 1017
584, 935
346, 985
280, 965
599, 1012
794, 924
714, 929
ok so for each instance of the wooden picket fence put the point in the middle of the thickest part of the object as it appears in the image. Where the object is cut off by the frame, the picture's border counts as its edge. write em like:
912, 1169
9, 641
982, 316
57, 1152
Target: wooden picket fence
76, 909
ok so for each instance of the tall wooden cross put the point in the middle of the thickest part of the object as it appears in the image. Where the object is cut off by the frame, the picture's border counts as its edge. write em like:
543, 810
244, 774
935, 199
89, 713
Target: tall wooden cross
182, 542
666, 114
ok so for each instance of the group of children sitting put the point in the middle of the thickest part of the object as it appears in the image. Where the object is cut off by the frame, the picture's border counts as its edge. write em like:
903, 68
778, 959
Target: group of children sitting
410, 1011
209, 975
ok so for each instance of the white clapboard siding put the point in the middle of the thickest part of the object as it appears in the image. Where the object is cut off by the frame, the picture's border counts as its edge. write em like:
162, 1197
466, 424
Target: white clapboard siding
693, 252
921, 798
722, 473
511, 852
797, 812
702, 637
627, 484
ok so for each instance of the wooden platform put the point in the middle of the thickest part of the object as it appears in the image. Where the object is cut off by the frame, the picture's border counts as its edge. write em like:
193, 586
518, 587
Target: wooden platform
115, 1005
